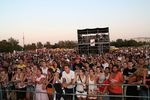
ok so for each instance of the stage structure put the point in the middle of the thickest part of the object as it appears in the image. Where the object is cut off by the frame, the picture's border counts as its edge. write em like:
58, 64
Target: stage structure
93, 41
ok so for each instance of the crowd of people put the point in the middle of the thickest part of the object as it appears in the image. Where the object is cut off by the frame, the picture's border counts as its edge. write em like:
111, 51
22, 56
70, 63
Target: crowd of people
37, 75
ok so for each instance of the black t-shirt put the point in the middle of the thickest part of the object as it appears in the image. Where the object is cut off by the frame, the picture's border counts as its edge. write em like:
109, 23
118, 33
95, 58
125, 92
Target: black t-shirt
127, 72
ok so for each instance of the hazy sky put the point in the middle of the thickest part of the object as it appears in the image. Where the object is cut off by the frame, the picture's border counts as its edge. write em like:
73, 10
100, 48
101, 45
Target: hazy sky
54, 20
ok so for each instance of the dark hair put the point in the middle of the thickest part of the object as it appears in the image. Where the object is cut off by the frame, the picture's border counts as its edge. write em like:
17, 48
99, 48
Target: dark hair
130, 60
107, 68
38, 68
115, 65
50, 70
82, 70
66, 64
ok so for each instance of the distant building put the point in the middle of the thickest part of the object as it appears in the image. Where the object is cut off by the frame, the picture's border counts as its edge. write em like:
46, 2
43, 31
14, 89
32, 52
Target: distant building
142, 39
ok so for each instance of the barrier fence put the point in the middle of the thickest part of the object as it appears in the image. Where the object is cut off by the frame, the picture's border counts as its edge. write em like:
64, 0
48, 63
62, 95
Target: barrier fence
10, 89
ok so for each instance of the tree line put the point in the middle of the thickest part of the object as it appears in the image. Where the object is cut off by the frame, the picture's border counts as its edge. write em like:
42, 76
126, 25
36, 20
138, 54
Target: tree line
128, 43
12, 44
61, 44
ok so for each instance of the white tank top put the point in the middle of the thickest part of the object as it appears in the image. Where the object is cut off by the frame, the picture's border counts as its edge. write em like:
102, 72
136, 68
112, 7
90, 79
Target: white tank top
92, 85
79, 86
102, 77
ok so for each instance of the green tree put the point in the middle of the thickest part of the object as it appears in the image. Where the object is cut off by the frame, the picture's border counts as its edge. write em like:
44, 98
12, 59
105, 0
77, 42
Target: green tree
9, 45
119, 43
14, 44
47, 45
39, 45
61, 44
127, 43
55, 46
67, 44
30, 46
13, 41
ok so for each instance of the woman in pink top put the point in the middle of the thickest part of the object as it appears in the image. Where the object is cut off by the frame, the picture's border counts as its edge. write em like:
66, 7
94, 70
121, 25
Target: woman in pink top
115, 81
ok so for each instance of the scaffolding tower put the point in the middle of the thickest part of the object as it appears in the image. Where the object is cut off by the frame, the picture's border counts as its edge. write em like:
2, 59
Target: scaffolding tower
93, 41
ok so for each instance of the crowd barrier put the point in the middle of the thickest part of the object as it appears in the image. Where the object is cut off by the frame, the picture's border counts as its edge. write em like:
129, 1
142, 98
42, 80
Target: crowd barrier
123, 95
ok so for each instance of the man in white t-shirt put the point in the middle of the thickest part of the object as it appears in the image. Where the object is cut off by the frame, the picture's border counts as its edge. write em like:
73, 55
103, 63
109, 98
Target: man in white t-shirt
67, 82
105, 64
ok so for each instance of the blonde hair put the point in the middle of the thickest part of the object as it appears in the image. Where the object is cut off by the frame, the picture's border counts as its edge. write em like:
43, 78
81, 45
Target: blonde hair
139, 73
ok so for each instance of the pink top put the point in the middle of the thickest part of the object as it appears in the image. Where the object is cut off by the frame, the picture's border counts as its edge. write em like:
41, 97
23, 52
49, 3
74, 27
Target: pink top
117, 79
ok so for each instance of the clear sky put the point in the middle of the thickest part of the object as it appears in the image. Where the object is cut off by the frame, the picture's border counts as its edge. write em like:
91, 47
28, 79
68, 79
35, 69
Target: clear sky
54, 20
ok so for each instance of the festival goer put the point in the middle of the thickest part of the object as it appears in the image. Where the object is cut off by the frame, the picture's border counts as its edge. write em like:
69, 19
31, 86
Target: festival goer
127, 73
104, 89
21, 64
29, 76
67, 82
107, 72
101, 80
44, 68
81, 88
3, 83
49, 83
58, 86
100, 77
136, 79
41, 93
115, 81
91, 80
19, 79
105, 64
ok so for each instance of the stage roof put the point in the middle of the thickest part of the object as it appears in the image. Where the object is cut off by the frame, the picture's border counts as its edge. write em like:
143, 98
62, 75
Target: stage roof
93, 31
